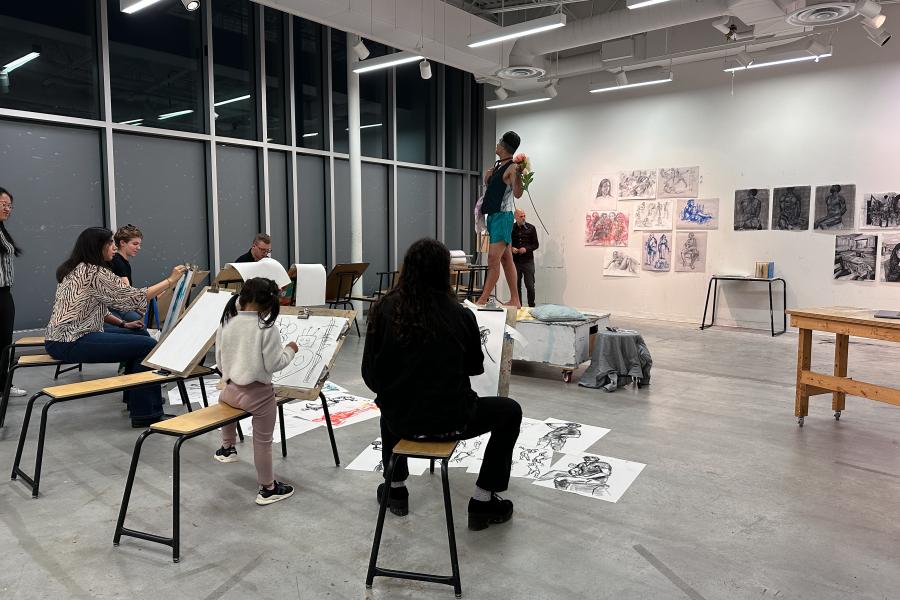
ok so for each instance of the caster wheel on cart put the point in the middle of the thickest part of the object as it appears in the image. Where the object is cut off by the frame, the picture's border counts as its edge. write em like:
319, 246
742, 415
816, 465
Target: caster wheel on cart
800, 421
837, 416
567, 376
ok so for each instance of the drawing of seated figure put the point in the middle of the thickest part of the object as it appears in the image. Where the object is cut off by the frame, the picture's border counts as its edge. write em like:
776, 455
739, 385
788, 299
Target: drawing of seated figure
587, 477
835, 208
621, 262
556, 438
693, 212
749, 209
790, 206
690, 252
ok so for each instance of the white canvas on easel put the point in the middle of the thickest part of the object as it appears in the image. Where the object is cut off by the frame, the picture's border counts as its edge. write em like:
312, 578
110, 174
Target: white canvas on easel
268, 268
491, 326
179, 297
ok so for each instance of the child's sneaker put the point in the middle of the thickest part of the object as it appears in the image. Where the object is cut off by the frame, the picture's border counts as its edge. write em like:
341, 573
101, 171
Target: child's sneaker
226, 455
279, 491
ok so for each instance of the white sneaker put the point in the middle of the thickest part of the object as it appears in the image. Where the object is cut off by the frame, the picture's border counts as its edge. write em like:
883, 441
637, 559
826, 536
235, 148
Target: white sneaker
16, 392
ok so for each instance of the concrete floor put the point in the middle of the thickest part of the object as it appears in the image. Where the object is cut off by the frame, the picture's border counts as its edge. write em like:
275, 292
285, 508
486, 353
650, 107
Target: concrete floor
736, 501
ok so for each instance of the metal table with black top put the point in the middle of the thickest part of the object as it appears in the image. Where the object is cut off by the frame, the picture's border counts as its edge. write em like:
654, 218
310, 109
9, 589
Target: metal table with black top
714, 288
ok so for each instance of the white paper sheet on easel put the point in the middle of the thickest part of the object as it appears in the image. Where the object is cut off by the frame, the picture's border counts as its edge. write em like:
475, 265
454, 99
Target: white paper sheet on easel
195, 329
310, 288
316, 338
491, 324
266, 267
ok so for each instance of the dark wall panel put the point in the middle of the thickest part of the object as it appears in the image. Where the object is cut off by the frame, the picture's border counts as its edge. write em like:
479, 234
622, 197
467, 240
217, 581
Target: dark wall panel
238, 200
311, 197
279, 211
376, 234
416, 207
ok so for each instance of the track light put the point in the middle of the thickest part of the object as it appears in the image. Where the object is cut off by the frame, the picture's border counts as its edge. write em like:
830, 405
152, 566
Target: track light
551, 91
876, 22
722, 24
360, 50
868, 8
425, 69
501, 93
621, 78
879, 37
191, 5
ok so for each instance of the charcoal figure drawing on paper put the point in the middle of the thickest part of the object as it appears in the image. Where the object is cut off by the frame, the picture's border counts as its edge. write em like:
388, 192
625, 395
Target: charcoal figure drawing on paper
637, 185
592, 475
620, 264
679, 182
854, 257
835, 206
751, 209
890, 259
691, 252
881, 211
790, 211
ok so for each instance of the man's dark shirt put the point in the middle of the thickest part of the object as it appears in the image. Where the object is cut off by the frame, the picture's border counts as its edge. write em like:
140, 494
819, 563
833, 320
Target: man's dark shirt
524, 236
248, 257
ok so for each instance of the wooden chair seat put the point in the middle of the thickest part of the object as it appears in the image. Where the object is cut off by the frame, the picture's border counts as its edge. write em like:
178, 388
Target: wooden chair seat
204, 418
37, 360
115, 384
34, 340
435, 450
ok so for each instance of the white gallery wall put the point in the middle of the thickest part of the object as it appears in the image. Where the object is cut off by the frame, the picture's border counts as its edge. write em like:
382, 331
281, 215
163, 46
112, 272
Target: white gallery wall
803, 124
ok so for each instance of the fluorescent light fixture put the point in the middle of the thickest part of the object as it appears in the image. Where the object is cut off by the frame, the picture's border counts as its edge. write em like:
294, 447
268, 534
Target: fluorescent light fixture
309, 135
132, 122
190, 5
361, 127
11, 66
132, 6
519, 100
868, 8
518, 30
360, 50
762, 62
172, 115
640, 78
386, 61
642, 3
230, 100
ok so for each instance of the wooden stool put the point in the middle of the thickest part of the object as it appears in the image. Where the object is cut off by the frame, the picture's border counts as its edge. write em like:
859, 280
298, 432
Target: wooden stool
434, 451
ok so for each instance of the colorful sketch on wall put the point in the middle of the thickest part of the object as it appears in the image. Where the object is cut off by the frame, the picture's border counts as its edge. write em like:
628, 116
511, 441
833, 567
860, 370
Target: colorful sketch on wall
690, 251
656, 251
890, 258
697, 213
637, 185
604, 190
608, 228
652, 214
854, 257
592, 475
834, 206
620, 263
790, 208
679, 182
880, 211
751, 209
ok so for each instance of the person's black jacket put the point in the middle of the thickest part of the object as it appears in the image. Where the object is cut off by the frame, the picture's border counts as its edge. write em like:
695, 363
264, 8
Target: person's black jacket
246, 257
525, 236
423, 387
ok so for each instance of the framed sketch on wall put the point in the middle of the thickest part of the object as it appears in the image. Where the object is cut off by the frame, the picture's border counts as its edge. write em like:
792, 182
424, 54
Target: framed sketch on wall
835, 206
880, 210
637, 185
751, 209
790, 208
679, 182
697, 213
604, 190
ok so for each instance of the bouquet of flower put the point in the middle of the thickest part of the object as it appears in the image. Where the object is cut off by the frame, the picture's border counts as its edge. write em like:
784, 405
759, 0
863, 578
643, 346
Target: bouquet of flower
523, 164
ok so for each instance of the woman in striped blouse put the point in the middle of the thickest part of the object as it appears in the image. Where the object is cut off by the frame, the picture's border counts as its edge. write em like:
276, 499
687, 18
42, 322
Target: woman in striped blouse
8, 251
86, 292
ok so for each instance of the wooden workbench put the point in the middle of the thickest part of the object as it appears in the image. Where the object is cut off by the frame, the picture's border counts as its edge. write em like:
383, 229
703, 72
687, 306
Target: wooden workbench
843, 322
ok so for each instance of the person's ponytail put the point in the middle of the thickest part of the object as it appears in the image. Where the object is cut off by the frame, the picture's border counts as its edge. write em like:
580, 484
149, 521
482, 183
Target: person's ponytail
230, 310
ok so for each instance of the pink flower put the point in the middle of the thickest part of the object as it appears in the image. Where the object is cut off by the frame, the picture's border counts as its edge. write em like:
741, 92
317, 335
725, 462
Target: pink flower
520, 158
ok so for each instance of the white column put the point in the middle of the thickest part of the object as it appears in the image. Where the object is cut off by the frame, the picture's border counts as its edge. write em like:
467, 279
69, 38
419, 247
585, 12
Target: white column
356, 240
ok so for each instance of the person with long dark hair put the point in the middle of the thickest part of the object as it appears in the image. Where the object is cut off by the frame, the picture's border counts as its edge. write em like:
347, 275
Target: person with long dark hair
248, 353
87, 291
8, 251
421, 348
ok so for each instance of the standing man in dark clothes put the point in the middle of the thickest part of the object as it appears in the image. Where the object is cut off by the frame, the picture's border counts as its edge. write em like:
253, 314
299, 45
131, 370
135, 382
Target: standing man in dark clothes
261, 248
421, 348
524, 243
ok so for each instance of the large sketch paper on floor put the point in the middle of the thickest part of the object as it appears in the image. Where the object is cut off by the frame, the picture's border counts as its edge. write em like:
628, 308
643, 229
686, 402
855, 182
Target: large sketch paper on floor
790, 208
690, 248
194, 394
751, 209
469, 450
880, 210
561, 436
527, 462
491, 324
679, 182
370, 460
268, 268
603, 192
343, 408
697, 213
652, 214
890, 258
591, 475
293, 426
621, 263
835, 206
637, 185
854, 257
316, 338
606, 228
181, 349
656, 251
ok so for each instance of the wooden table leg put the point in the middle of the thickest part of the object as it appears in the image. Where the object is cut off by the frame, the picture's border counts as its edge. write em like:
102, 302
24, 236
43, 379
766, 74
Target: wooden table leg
804, 361
841, 345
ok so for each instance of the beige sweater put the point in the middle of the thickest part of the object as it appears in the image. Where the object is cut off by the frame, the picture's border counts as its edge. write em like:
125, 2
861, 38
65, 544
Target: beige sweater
245, 352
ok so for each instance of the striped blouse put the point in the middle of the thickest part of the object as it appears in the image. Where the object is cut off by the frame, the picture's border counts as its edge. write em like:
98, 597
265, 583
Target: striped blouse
7, 272
84, 298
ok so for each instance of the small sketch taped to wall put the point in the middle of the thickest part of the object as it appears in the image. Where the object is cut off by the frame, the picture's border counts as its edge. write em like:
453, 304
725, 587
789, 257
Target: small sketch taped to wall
316, 338
656, 251
652, 214
679, 182
605, 228
751, 209
603, 192
697, 213
592, 475
637, 185
621, 263
691, 251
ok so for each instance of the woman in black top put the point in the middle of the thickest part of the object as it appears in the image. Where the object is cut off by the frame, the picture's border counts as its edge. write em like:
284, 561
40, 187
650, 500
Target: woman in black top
421, 347
8, 251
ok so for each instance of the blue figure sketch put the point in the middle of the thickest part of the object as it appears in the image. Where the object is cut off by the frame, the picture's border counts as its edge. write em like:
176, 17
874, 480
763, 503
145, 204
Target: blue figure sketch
664, 251
694, 212
650, 248
656, 252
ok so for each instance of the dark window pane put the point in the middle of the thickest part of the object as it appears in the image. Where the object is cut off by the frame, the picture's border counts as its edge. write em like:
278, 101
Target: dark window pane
453, 211
156, 79
308, 46
416, 126
454, 116
373, 107
50, 55
312, 207
276, 80
280, 224
477, 103
342, 211
416, 206
238, 200
339, 91
376, 232
234, 65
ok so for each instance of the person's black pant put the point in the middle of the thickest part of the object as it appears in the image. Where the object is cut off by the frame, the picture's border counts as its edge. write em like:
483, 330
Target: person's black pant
7, 319
525, 270
497, 415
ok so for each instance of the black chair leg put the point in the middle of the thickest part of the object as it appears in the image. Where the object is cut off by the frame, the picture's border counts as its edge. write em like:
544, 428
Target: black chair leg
281, 426
23, 434
176, 500
334, 450
431, 466
129, 485
182, 390
203, 393
240, 431
379, 526
4, 402
451, 533
39, 458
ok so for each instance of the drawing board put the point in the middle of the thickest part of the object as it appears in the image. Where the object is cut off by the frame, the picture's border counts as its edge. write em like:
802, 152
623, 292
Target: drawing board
180, 294
492, 326
316, 337
591, 475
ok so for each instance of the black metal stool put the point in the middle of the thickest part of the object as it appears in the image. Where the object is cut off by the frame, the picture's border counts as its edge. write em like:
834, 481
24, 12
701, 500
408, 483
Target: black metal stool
433, 451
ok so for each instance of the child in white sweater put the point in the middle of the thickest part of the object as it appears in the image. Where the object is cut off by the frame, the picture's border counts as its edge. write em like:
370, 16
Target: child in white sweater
248, 352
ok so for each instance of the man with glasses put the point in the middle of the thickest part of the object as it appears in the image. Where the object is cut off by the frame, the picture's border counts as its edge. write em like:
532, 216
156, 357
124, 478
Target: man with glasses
261, 248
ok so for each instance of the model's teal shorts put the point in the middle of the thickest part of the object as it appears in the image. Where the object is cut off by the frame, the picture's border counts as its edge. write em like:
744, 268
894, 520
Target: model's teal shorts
499, 226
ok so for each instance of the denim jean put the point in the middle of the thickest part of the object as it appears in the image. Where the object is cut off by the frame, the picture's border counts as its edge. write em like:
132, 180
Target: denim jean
145, 402
127, 317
